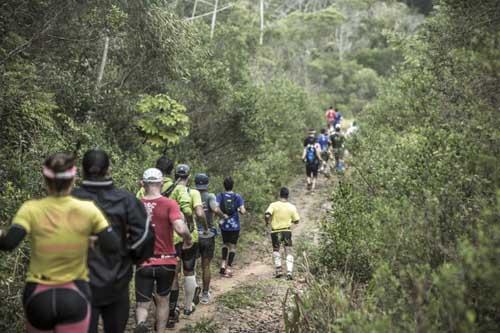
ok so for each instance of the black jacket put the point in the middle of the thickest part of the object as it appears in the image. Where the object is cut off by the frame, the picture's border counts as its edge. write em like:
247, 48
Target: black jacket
111, 274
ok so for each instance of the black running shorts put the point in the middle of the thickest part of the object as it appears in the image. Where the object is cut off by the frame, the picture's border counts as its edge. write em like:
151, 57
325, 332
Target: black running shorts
206, 247
281, 237
312, 169
188, 256
147, 276
57, 308
230, 237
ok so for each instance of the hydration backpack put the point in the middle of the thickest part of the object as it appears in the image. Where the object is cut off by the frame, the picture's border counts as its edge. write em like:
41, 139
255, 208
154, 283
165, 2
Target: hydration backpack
311, 154
228, 203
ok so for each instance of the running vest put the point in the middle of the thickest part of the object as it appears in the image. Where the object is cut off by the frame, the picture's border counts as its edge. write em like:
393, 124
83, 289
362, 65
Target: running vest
311, 156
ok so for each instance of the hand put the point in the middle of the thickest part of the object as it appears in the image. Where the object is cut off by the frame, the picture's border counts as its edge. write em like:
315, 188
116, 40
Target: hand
187, 244
226, 217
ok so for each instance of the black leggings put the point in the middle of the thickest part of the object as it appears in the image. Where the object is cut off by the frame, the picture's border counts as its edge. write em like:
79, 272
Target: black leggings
114, 315
63, 308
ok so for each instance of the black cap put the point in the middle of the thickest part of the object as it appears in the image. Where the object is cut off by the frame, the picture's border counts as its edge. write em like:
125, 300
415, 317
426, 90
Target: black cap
182, 170
201, 181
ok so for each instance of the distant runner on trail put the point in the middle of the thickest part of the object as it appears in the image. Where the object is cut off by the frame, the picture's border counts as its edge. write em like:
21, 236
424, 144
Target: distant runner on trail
154, 276
110, 276
330, 115
312, 158
337, 139
281, 214
231, 204
352, 129
207, 237
165, 165
57, 294
338, 119
191, 205
324, 143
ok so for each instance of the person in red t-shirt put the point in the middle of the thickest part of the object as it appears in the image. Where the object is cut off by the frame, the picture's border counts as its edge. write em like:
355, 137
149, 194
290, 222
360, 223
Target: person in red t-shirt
165, 217
330, 116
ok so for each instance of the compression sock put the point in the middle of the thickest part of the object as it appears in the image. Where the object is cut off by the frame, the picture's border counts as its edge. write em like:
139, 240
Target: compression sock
174, 296
224, 253
277, 259
189, 290
289, 263
232, 254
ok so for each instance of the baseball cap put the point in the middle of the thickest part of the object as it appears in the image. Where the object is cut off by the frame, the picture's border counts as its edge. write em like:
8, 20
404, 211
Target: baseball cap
201, 181
152, 175
182, 170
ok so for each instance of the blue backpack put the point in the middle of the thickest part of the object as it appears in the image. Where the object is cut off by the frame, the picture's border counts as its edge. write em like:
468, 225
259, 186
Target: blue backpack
311, 154
228, 203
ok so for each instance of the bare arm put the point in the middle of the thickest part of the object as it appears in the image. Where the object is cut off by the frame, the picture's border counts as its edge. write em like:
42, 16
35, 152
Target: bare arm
219, 213
267, 218
182, 230
242, 210
200, 216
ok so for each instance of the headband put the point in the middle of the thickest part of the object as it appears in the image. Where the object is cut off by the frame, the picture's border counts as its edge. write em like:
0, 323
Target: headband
68, 174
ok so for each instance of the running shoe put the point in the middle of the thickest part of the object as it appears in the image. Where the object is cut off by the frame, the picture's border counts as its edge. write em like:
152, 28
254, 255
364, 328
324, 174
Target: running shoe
228, 273
196, 297
170, 324
278, 274
141, 328
205, 297
289, 277
189, 312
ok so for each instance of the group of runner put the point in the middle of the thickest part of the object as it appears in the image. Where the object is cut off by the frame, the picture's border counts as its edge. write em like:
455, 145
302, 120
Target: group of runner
318, 149
87, 242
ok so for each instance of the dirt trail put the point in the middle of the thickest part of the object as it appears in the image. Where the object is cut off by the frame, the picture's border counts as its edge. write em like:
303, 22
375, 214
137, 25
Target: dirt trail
311, 206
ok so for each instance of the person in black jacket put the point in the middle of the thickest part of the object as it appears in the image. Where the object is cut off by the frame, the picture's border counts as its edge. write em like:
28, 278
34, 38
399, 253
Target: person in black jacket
110, 274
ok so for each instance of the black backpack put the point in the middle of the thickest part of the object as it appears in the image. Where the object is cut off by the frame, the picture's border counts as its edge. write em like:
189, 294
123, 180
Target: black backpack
228, 203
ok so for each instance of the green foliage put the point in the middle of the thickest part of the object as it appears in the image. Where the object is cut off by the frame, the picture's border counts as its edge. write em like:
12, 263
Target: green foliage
162, 120
416, 220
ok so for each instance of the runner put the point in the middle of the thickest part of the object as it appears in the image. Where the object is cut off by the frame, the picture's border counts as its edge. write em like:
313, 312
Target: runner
338, 119
207, 236
110, 275
330, 115
282, 214
324, 143
56, 296
337, 140
312, 157
352, 129
231, 204
165, 165
155, 275
190, 202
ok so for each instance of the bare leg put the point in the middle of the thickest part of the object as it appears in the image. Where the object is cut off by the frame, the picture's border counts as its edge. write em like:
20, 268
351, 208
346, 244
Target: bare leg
141, 312
205, 265
161, 313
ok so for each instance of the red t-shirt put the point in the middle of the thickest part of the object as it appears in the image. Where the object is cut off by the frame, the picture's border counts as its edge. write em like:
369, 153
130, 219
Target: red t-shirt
330, 115
163, 212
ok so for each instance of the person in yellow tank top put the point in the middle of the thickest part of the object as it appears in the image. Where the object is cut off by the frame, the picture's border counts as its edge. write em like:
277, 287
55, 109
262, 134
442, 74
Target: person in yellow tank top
282, 214
56, 296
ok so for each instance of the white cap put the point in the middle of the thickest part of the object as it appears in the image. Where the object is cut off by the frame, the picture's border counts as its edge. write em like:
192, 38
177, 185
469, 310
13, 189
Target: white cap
337, 126
152, 175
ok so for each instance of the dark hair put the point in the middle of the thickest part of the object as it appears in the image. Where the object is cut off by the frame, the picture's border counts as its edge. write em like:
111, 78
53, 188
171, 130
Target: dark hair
95, 164
323, 130
165, 165
59, 162
228, 183
284, 193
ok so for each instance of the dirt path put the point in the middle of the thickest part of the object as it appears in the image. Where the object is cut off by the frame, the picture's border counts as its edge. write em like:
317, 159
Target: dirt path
230, 310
